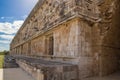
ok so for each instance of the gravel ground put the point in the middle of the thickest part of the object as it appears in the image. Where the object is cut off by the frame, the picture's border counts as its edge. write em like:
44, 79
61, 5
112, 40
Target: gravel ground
15, 74
19, 74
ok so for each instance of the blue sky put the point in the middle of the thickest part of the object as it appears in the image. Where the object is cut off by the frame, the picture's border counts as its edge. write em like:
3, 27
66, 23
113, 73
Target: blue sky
12, 15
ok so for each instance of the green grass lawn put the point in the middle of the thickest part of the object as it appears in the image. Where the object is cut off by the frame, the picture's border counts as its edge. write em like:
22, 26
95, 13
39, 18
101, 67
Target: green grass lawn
1, 61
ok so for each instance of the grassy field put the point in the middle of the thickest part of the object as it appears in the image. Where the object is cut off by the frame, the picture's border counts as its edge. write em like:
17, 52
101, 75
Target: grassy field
1, 61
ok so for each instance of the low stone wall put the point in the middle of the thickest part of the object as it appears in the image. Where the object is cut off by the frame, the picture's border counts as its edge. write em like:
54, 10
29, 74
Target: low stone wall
50, 72
29, 69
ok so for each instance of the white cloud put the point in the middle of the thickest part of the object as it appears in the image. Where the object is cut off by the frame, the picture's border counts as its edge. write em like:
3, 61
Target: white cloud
4, 47
4, 41
10, 28
7, 37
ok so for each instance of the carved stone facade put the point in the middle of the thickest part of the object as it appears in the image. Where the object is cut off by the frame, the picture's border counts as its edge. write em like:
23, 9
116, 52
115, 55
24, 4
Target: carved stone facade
79, 32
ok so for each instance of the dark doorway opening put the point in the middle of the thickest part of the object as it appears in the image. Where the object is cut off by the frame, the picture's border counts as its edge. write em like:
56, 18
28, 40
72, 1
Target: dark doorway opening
50, 45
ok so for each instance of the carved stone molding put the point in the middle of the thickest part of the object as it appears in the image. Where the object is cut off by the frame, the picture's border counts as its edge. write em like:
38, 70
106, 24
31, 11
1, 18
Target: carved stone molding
107, 9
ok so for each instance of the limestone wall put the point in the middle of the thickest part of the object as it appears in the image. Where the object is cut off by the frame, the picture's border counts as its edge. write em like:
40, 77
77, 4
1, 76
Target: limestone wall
48, 13
38, 46
84, 32
86, 55
66, 40
109, 34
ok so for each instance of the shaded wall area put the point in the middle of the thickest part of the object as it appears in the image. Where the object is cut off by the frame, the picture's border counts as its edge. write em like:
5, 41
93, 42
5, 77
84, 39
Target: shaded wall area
110, 47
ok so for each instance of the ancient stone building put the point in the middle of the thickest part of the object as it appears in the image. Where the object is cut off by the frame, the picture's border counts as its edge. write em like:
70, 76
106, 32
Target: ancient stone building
69, 39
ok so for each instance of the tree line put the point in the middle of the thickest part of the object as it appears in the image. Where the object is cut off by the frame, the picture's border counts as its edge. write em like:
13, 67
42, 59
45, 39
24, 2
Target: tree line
4, 52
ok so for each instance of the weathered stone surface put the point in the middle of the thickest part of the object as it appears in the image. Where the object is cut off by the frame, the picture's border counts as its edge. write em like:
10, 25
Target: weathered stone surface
81, 32
48, 70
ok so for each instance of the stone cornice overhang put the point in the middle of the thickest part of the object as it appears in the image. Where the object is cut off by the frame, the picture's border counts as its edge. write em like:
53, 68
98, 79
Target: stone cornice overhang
60, 21
88, 17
